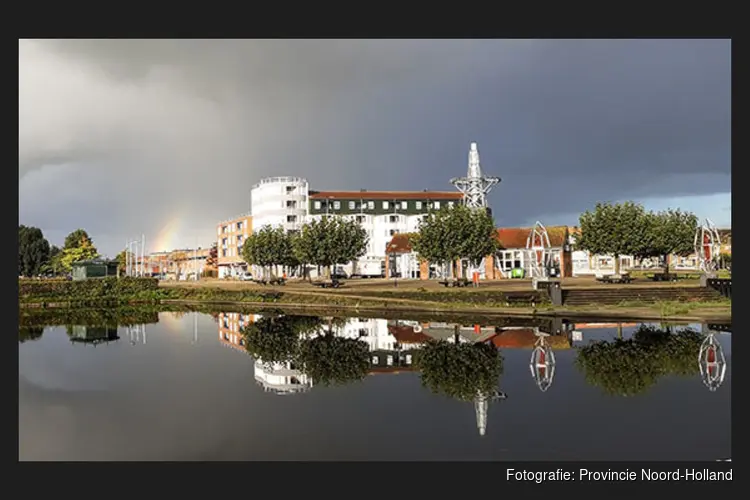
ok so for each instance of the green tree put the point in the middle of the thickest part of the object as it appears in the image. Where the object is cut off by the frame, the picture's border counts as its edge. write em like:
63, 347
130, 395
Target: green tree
671, 232
461, 371
26, 333
277, 338
451, 234
614, 229
627, 367
332, 360
77, 238
264, 248
76, 252
33, 250
330, 241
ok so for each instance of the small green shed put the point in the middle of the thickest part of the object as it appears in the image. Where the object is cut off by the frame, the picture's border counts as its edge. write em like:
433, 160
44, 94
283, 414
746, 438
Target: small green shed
97, 268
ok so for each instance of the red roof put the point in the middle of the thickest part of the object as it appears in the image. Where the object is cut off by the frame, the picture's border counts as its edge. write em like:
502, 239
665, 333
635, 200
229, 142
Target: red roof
526, 338
399, 244
516, 237
406, 335
387, 195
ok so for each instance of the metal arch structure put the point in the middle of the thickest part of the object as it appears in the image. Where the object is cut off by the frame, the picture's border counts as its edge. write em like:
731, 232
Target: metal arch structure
475, 186
538, 250
712, 363
542, 363
707, 246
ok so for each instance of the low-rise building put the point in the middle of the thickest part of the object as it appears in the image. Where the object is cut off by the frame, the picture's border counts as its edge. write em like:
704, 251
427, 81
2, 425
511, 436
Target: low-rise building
231, 235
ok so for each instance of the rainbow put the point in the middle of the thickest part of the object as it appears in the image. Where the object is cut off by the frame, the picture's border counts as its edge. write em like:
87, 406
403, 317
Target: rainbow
165, 238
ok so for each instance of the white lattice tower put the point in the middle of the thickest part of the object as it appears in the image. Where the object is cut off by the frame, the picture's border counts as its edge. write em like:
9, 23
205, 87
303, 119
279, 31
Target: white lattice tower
707, 245
537, 250
475, 186
481, 405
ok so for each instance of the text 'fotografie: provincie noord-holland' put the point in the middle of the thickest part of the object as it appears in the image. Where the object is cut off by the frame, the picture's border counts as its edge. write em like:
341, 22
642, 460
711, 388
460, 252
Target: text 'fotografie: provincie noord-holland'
686, 474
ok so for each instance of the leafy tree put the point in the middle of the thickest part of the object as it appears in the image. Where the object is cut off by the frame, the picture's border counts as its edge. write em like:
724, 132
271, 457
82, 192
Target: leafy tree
213, 257
85, 250
461, 371
33, 250
77, 238
266, 248
330, 241
631, 366
671, 232
26, 333
451, 234
614, 229
332, 360
277, 338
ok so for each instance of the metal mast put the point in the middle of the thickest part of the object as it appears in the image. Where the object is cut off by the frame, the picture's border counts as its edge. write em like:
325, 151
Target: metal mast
475, 186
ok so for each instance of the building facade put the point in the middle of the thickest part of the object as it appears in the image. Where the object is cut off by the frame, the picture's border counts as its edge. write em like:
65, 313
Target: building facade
279, 202
231, 235
383, 214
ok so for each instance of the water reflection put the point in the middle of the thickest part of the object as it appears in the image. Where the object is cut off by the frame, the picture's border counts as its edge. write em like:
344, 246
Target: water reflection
513, 373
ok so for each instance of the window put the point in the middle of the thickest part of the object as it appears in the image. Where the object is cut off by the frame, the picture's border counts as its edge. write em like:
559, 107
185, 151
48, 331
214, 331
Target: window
393, 231
389, 360
450, 204
404, 205
291, 204
408, 359
363, 332
224, 252
352, 205
291, 218
419, 205
436, 205
239, 240
224, 229
371, 205
375, 360
336, 205
239, 226
290, 189
361, 219
385, 205
393, 218
316, 205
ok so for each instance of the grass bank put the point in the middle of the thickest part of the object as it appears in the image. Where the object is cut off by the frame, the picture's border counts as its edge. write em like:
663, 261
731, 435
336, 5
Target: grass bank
112, 292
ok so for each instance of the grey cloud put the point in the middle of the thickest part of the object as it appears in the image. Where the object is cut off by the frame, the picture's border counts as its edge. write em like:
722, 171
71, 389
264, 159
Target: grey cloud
162, 127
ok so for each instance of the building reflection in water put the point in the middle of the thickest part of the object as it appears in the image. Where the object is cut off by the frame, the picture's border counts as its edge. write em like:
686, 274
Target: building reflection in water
136, 334
92, 335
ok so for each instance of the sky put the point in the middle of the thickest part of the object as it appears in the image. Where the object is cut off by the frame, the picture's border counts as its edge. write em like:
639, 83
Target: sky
165, 138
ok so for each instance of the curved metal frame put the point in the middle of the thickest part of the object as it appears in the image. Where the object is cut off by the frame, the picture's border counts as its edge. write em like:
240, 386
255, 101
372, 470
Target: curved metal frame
542, 363
713, 370
538, 250
707, 246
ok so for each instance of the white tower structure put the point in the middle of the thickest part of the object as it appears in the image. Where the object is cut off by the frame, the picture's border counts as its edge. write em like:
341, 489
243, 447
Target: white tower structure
475, 186
482, 406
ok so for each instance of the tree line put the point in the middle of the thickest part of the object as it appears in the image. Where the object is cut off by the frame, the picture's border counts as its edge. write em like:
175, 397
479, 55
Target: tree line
37, 257
451, 234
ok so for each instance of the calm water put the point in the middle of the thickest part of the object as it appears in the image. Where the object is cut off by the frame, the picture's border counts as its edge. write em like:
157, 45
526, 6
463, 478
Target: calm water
186, 389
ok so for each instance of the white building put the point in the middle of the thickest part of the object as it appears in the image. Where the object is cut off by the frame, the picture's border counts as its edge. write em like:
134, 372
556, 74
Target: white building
281, 378
382, 214
279, 202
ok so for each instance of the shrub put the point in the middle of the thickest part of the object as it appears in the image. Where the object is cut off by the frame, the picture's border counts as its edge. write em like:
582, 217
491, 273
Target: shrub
90, 288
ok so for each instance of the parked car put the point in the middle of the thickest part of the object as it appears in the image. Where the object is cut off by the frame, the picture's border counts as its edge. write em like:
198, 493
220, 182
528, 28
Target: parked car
246, 276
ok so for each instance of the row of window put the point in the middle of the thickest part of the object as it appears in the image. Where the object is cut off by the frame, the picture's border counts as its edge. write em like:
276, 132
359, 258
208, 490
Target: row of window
370, 205
235, 227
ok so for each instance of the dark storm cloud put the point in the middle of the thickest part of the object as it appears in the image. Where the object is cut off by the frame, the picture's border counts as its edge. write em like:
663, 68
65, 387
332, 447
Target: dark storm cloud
164, 128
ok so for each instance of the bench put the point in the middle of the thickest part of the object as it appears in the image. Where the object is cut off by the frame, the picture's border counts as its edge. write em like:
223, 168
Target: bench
664, 277
461, 282
327, 283
614, 278
522, 299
